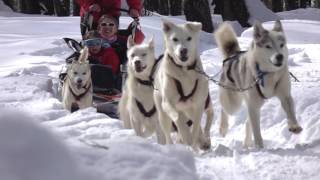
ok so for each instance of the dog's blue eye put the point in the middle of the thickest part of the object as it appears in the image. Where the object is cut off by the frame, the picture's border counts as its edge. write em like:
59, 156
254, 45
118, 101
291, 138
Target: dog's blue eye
268, 46
189, 39
281, 45
175, 40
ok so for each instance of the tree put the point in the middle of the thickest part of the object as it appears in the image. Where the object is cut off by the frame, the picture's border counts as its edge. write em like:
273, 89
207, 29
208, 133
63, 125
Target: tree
151, 5
60, 8
268, 3
163, 7
175, 7
10, 3
277, 5
304, 3
291, 4
236, 10
198, 10
219, 6
315, 3
74, 8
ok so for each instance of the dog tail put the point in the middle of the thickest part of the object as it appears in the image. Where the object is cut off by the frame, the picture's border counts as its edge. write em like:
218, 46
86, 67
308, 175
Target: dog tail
84, 55
226, 39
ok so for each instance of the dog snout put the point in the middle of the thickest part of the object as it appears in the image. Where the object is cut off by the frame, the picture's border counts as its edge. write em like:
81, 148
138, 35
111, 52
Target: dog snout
137, 63
279, 58
138, 66
184, 52
79, 81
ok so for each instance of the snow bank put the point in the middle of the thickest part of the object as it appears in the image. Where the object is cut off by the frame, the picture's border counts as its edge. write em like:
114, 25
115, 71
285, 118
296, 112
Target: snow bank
30, 151
4, 7
306, 14
292, 28
258, 11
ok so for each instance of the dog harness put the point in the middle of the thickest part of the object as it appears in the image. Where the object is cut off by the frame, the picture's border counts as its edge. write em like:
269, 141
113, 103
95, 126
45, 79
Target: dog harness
78, 97
148, 83
260, 74
231, 60
153, 70
143, 110
183, 97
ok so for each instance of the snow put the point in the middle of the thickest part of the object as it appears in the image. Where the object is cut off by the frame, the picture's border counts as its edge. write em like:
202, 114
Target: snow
39, 140
258, 11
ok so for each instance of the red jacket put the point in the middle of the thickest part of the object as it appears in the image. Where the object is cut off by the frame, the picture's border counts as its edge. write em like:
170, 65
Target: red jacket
110, 7
109, 57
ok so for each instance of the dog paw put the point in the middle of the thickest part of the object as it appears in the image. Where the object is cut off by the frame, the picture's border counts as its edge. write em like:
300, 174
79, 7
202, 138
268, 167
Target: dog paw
74, 107
205, 146
247, 143
296, 129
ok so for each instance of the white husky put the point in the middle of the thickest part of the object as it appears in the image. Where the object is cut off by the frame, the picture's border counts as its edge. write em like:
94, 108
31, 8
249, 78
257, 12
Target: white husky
136, 107
77, 87
262, 70
182, 94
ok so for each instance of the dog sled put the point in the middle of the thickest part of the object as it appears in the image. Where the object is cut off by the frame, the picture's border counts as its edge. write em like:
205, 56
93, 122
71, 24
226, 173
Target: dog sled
107, 86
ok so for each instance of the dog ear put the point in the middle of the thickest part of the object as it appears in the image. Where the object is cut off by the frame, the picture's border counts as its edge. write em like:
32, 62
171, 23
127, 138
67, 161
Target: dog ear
258, 30
277, 26
151, 43
84, 55
167, 25
194, 26
130, 42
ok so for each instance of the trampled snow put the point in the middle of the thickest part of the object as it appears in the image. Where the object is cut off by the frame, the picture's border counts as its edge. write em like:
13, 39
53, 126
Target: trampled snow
41, 140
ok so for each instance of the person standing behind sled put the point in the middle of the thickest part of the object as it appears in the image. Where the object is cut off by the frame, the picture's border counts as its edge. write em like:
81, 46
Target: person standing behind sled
111, 7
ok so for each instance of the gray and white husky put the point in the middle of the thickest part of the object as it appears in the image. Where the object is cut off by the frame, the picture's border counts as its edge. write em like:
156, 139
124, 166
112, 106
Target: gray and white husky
77, 86
267, 61
182, 93
136, 107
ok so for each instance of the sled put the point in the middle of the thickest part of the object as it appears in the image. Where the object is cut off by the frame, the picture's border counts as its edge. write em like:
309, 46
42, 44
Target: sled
107, 87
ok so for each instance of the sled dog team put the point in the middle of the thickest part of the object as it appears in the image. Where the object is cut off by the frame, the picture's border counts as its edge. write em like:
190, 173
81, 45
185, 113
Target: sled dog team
169, 95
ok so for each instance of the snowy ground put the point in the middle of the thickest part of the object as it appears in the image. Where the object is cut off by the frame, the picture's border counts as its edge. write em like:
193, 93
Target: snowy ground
89, 145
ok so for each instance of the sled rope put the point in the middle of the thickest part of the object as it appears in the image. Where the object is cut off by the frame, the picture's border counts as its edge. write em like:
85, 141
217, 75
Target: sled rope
217, 82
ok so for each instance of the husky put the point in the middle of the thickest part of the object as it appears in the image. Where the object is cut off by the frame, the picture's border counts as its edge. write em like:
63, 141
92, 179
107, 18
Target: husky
182, 93
262, 72
137, 109
77, 86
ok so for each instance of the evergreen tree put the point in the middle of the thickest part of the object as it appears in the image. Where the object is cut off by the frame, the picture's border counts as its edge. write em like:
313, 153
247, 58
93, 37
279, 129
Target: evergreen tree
199, 11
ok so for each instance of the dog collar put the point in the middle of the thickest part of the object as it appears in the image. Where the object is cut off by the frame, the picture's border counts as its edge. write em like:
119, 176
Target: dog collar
78, 97
144, 82
153, 70
190, 67
260, 74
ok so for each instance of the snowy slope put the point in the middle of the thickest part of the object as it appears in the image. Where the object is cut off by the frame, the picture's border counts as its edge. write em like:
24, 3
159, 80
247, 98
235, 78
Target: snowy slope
89, 145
